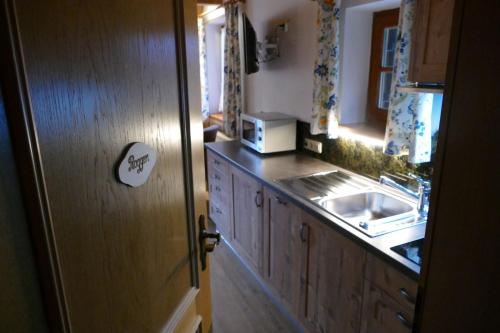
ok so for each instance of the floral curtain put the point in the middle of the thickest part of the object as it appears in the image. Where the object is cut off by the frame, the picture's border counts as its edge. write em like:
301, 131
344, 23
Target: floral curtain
203, 68
408, 129
232, 73
326, 70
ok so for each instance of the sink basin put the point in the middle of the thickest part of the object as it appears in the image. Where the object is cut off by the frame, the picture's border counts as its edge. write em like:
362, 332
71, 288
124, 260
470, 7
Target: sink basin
372, 212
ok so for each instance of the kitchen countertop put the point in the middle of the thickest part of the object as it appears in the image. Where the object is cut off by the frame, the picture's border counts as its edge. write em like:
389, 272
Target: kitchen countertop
268, 168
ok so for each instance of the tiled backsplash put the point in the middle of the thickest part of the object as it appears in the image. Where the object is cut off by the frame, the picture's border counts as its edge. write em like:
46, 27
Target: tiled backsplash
359, 157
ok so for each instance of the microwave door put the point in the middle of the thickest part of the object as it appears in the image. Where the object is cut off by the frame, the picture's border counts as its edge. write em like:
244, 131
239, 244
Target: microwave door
249, 131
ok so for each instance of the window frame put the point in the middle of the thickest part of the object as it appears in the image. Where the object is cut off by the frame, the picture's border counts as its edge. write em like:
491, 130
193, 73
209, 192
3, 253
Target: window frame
375, 116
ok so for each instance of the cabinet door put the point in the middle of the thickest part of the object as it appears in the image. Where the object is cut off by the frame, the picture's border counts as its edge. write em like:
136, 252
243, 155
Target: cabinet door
247, 217
431, 40
335, 280
285, 250
382, 314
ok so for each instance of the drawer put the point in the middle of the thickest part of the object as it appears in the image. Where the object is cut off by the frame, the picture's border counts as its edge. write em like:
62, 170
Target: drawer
396, 284
217, 178
216, 162
220, 215
219, 193
382, 314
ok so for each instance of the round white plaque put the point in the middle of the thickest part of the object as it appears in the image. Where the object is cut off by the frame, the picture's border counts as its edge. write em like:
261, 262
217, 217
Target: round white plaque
136, 166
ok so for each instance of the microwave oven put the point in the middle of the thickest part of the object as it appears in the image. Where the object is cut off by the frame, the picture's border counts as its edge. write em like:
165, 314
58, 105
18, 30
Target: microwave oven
268, 132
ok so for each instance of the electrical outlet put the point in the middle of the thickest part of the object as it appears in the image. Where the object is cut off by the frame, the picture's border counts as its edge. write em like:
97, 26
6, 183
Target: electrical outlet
314, 146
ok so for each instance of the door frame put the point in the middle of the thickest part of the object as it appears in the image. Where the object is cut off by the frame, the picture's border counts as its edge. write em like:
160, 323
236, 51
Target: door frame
29, 166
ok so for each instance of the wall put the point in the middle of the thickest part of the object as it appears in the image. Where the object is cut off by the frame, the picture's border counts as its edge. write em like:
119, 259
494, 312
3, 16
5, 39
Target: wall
286, 84
358, 157
355, 65
213, 65
20, 300
356, 23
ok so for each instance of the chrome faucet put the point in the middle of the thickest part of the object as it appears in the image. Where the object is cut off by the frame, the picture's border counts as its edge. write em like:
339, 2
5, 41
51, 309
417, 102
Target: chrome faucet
422, 195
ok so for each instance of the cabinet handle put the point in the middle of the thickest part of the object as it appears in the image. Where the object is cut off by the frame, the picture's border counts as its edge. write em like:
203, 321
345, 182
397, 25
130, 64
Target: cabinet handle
217, 188
304, 232
217, 177
403, 320
216, 162
281, 202
258, 199
406, 295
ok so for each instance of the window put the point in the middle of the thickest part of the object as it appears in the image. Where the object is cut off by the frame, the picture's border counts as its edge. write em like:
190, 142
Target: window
383, 49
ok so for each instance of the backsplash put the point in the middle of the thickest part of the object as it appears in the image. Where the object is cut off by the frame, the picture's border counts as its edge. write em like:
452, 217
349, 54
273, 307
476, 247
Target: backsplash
359, 157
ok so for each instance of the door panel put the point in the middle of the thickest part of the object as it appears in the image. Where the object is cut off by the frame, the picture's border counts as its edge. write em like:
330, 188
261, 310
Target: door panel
247, 217
335, 280
100, 76
285, 250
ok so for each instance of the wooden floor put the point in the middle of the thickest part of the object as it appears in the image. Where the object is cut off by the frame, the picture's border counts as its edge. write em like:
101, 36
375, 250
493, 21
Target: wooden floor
239, 304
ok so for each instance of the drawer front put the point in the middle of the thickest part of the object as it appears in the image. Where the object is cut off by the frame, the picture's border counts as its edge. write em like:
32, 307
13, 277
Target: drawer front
220, 215
396, 284
217, 162
216, 177
219, 194
382, 314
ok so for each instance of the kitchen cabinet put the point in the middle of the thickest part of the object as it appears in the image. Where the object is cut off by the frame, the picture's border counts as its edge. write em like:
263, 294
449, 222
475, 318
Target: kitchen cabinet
431, 41
285, 250
326, 280
334, 280
389, 299
220, 192
247, 210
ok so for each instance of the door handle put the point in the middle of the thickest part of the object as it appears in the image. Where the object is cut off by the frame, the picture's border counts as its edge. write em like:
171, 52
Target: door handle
402, 319
258, 199
304, 232
204, 246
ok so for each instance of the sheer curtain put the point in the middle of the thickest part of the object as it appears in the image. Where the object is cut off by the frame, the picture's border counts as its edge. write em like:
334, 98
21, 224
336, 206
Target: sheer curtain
408, 129
325, 111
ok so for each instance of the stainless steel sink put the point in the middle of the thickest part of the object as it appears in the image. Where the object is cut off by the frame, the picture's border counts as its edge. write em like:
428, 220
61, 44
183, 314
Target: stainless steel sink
357, 201
368, 210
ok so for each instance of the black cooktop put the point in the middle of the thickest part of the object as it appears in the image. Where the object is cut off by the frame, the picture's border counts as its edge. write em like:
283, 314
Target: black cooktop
411, 251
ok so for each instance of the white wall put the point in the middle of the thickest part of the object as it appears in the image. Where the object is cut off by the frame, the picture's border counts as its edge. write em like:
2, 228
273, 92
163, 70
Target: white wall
286, 84
355, 65
213, 65
356, 38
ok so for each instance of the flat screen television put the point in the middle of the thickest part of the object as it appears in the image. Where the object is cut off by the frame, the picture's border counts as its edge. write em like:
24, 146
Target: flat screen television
250, 46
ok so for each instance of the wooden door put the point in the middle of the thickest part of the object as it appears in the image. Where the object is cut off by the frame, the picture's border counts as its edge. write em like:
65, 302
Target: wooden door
431, 41
285, 250
247, 217
458, 286
84, 79
335, 280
